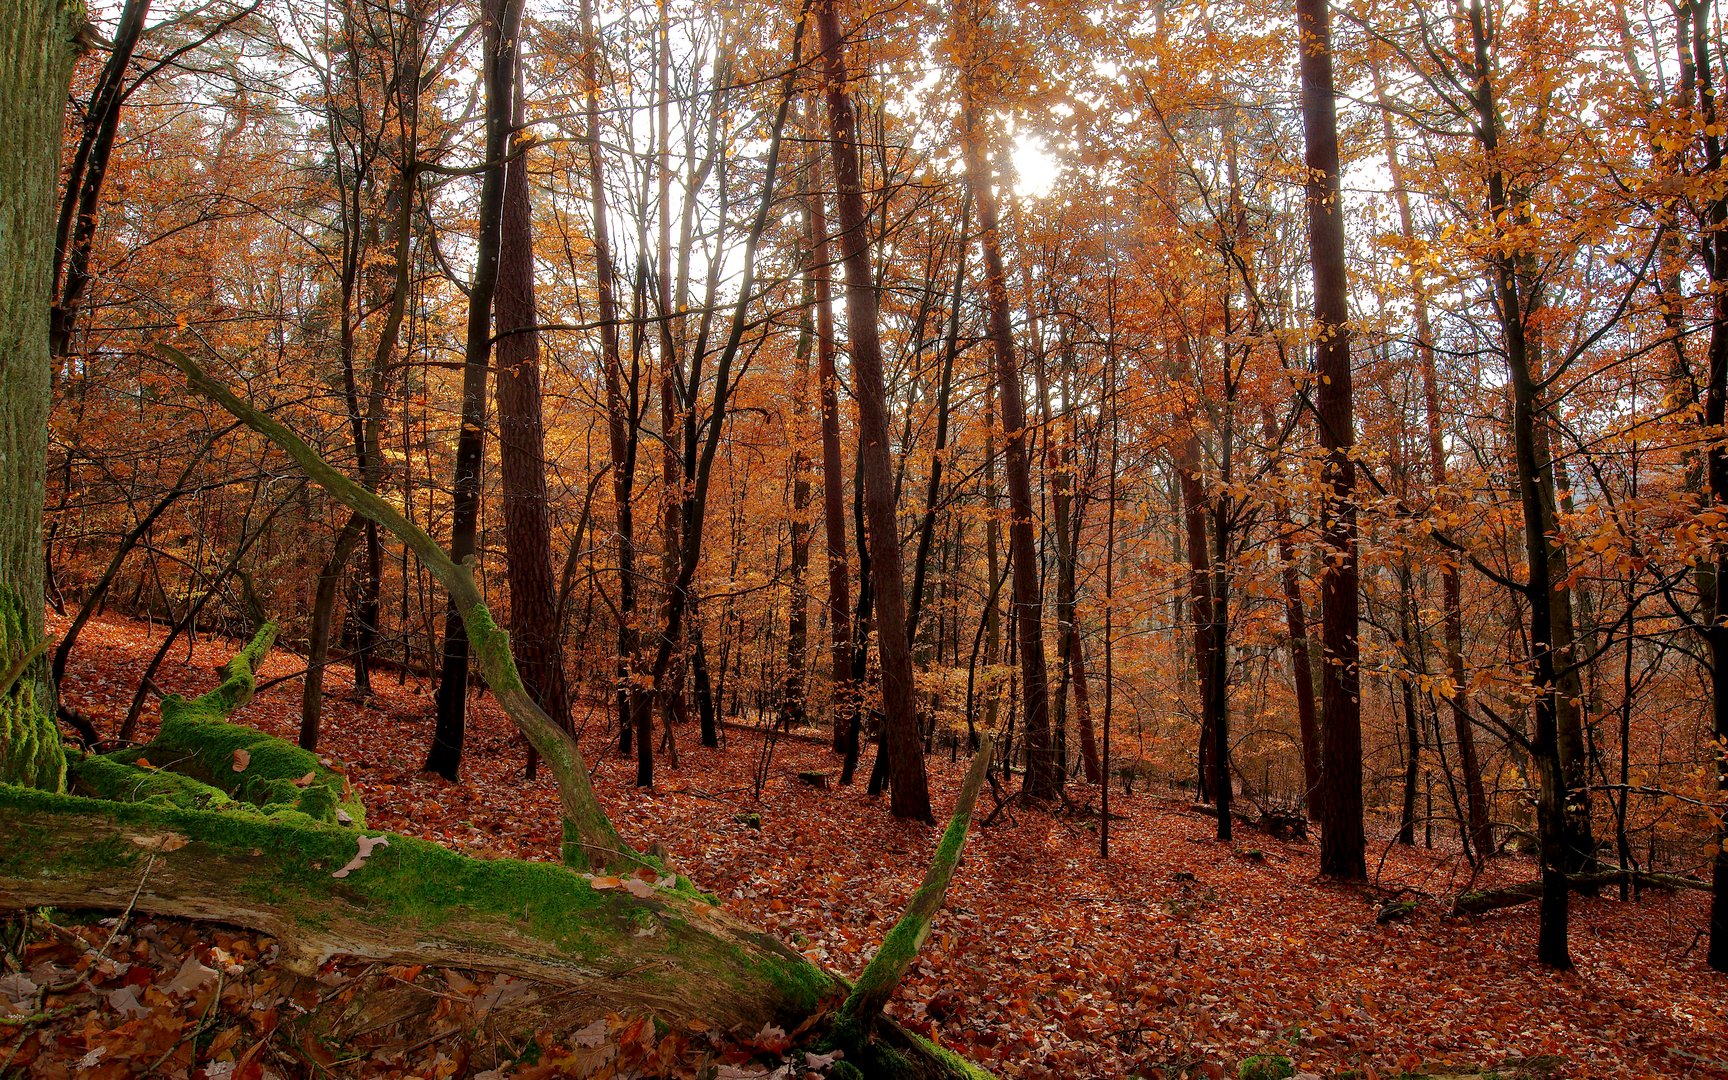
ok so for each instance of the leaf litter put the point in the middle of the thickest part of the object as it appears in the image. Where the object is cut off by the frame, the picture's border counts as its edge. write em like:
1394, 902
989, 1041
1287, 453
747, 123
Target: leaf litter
1175, 958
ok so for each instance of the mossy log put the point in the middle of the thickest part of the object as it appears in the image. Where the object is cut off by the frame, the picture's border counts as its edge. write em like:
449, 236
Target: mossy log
670, 952
1481, 901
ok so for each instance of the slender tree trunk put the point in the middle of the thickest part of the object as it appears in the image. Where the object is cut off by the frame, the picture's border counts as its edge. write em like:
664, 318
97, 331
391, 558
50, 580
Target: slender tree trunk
794, 686
670, 689
1534, 480
1042, 779
944, 388
1301, 662
1407, 697
1342, 843
911, 795
503, 20
620, 410
318, 645
1195, 545
833, 468
1480, 831
82, 200
1713, 246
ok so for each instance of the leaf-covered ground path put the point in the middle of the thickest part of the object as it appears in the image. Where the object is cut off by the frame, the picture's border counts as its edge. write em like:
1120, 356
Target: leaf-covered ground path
1178, 956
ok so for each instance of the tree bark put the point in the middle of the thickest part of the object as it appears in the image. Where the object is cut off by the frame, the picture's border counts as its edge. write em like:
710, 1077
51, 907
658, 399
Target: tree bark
36, 53
534, 629
1342, 844
502, 23
910, 790
1042, 779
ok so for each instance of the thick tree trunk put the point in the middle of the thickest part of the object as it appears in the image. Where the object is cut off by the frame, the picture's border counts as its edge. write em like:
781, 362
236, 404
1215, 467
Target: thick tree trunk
911, 794
36, 52
411, 902
239, 827
1342, 843
534, 629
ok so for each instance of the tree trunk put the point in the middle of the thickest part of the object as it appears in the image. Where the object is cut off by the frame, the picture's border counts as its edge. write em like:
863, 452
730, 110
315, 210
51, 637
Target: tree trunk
1480, 837
502, 22
534, 629
911, 794
1534, 478
1342, 853
36, 53
82, 199
1042, 779
841, 708
1713, 246
318, 643
620, 408
1199, 597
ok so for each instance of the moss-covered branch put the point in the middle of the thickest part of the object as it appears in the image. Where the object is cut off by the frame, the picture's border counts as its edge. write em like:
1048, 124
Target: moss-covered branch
884, 972
1482, 901
201, 761
590, 839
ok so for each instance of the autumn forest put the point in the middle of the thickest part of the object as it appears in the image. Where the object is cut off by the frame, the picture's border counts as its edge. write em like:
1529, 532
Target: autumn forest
845, 538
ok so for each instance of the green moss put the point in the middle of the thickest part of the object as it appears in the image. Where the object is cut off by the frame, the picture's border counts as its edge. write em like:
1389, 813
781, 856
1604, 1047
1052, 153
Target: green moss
292, 862
1266, 1067
959, 1065
114, 777
278, 776
30, 751
493, 646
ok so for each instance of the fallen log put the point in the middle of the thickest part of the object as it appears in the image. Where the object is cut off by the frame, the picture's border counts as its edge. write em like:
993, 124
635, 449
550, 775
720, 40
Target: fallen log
212, 831
1481, 901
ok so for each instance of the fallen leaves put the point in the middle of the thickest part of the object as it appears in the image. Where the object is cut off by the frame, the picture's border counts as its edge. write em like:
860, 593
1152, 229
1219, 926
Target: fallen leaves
1174, 958
368, 844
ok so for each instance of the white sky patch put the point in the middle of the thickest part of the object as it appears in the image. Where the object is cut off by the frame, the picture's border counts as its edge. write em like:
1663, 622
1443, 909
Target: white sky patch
1036, 169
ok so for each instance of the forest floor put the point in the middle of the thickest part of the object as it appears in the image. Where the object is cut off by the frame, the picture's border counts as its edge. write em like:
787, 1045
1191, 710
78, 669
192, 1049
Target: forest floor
1176, 956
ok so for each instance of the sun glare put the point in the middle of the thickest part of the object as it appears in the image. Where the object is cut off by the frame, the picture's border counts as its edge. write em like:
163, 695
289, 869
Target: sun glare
1036, 169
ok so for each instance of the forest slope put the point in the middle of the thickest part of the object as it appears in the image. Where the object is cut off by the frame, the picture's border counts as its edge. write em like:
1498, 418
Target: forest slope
1176, 956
